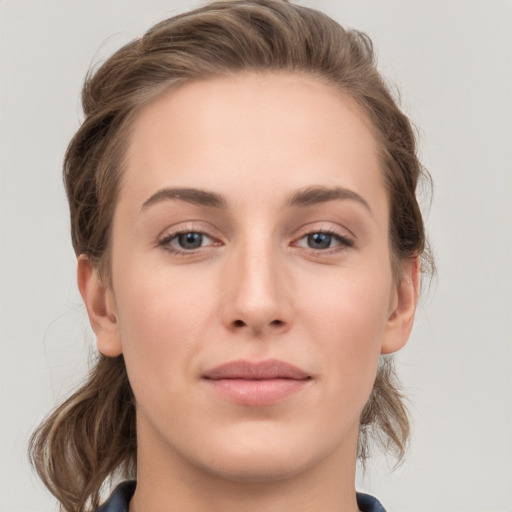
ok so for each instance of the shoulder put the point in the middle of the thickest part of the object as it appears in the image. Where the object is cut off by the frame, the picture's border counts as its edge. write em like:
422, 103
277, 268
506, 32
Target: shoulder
119, 499
367, 503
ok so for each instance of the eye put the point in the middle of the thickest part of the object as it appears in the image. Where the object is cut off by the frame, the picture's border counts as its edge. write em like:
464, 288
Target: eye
319, 240
322, 240
190, 240
186, 241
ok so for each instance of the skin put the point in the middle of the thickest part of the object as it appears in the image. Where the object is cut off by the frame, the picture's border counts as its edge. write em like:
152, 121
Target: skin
255, 289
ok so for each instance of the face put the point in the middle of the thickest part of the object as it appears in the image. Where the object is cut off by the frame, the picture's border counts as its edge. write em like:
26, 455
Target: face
252, 291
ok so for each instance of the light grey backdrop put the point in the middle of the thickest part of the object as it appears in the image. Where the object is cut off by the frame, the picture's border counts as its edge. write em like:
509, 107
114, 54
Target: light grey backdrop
452, 61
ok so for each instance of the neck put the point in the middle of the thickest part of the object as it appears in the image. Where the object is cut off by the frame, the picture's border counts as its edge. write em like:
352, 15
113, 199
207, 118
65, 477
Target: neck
171, 484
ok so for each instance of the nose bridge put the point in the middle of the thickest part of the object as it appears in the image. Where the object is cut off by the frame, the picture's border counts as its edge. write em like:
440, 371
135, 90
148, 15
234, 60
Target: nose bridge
257, 295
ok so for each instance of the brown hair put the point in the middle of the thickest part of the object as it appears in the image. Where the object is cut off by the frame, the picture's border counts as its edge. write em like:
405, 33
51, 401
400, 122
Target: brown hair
91, 436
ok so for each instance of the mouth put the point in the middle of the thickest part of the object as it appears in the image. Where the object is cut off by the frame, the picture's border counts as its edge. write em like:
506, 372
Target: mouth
256, 383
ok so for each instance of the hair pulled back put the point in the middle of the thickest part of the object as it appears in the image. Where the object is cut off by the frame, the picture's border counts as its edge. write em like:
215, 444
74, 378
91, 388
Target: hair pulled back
92, 435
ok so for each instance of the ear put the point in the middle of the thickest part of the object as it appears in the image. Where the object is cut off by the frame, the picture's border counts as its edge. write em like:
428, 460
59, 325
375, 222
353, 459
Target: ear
99, 301
404, 301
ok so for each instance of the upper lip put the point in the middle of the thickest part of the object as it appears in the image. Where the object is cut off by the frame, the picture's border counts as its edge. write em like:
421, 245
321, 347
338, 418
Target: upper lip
261, 370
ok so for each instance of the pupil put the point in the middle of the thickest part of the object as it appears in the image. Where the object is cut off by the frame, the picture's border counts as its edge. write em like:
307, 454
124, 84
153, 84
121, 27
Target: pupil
190, 240
319, 240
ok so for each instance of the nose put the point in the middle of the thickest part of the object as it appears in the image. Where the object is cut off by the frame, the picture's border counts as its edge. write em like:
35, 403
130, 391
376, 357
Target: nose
257, 294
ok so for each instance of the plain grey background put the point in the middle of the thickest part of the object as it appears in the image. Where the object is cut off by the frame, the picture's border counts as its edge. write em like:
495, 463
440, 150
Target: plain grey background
451, 59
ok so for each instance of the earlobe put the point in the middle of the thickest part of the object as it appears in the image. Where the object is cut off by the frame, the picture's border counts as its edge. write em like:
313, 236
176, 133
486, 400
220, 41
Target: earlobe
401, 319
99, 302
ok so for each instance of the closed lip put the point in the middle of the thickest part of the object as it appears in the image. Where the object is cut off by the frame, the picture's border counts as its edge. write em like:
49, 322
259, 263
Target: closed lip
260, 370
256, 384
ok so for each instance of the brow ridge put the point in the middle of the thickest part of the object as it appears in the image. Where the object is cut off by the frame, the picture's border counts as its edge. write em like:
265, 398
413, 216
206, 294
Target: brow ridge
189, 195
310, 196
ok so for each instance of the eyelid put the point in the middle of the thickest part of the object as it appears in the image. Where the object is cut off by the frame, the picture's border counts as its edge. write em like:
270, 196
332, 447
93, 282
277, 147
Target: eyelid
163, 240
172, 236
324, 227
345, 238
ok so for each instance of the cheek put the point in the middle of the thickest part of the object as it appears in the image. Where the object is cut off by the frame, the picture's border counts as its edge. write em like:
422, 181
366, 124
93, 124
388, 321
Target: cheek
159, 299
161, 317
347, 317
349, 305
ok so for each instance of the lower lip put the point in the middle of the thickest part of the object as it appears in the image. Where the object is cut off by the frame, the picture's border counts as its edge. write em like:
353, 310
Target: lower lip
257, 392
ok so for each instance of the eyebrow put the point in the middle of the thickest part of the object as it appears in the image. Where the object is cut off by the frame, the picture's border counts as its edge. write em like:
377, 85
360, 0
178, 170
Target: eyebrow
189, 195
308, 196
315, 195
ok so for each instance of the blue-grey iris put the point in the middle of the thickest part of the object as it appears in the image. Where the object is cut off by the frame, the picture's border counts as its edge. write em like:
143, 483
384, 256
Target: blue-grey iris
319, 240
190, 240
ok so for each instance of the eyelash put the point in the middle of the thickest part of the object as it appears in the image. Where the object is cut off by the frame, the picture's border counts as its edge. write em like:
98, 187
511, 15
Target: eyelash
344, 242
165, 242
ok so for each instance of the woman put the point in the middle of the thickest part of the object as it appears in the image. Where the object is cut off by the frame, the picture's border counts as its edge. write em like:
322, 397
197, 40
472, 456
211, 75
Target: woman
242, 197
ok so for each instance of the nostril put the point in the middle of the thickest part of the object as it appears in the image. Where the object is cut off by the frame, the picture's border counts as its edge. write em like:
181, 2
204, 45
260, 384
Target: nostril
238, 323
277, 323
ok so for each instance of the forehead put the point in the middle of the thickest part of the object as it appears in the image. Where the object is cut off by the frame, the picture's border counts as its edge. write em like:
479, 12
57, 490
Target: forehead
252, 131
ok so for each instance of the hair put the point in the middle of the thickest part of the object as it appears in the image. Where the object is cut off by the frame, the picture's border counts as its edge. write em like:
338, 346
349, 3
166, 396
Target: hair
92, 435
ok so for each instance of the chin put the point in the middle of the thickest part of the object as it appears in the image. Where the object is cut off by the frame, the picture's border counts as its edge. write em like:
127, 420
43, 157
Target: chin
263, 456
261, 468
